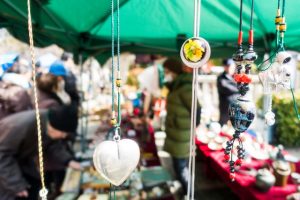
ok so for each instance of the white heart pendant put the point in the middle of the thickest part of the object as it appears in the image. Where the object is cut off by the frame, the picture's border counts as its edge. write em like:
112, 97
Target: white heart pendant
115, 160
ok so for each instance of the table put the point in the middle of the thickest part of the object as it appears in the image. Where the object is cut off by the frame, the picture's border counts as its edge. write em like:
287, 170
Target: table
244, 185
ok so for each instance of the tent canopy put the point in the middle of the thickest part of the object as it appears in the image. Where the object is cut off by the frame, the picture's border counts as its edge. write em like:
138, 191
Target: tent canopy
147, 26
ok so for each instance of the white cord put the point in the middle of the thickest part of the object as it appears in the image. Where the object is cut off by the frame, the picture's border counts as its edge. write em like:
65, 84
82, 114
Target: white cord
192, 160
191, 170
197, 6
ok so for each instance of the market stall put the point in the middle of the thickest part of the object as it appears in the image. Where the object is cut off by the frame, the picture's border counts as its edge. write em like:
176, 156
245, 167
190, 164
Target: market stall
248, 184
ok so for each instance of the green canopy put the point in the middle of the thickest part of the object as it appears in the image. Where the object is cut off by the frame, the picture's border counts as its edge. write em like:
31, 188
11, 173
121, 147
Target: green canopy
147, 26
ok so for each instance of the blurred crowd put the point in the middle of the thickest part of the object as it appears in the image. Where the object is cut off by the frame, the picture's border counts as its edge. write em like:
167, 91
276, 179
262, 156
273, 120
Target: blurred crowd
58, 101
159, 90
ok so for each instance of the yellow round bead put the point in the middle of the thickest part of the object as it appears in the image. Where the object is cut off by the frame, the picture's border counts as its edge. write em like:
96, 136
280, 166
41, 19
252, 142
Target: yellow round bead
282, 27
113, 121
118, 82
278, 20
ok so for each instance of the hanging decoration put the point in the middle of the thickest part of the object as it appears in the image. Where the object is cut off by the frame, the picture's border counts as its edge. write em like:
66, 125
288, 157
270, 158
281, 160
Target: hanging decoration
115, 160
276, 75
195, 52
242, 110
43, 191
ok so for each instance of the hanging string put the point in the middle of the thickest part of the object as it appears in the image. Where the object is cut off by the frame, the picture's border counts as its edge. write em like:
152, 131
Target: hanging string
251, 16
112, 61
241, 15
116, 122
116, 81
195, 84
43, 191
283, 8
277, 22
192, 147
251, 24
112, 192
280, 27
240, 37
118, 64
197, 4
191, 180
295, 103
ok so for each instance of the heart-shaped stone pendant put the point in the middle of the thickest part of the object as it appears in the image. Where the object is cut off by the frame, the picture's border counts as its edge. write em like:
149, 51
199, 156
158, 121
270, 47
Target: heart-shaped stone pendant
115, 160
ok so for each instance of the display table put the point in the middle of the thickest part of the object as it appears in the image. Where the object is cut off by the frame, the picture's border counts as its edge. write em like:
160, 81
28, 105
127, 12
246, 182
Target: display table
244, 185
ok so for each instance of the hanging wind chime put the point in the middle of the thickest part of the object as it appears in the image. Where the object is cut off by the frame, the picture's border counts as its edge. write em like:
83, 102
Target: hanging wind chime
194, 53
242, 110
115, 160
277, 74
43, 191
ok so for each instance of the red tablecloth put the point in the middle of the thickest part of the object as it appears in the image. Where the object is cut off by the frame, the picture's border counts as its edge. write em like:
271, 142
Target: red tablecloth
244, 185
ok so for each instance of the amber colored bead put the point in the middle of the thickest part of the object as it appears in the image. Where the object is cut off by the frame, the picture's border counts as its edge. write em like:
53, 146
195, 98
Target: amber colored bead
278, 20
282, 27
113, 121
118, 82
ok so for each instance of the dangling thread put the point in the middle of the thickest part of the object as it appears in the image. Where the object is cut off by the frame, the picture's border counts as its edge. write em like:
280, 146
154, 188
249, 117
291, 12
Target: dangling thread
280, 29
115, 81
43, 192
191, 167
115, 120
295, 103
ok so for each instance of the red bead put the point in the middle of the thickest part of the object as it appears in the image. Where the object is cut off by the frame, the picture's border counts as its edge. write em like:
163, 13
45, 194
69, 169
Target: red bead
226, 157
136, 111
245, 79
238, 162
237, 77
232, 176
242, 78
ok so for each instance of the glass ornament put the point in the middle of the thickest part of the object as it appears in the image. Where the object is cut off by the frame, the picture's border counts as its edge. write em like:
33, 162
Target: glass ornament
270, 118
195, 52
241, 113
250, 55
283, 57
116, 160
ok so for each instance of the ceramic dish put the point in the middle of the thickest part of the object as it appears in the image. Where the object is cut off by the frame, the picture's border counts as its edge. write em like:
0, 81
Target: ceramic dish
214, 146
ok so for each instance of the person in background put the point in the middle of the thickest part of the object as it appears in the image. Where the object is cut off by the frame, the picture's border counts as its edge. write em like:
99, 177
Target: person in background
227, 90
51, 85
10, 71
51, 90
70, 78
13, 96
178, 121
19, 177
58, 70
